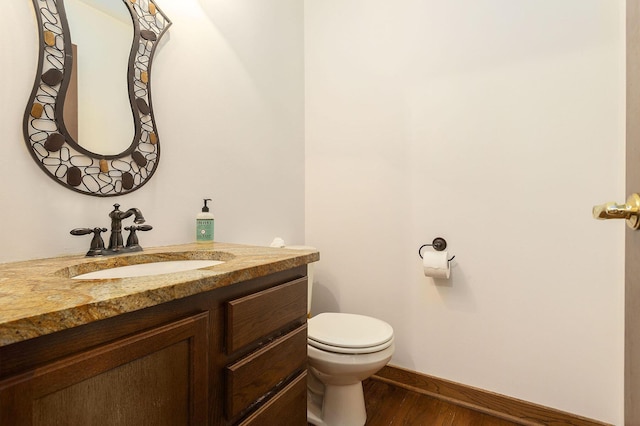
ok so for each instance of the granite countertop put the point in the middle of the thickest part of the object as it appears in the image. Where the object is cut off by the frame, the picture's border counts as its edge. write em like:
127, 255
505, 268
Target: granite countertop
39, 297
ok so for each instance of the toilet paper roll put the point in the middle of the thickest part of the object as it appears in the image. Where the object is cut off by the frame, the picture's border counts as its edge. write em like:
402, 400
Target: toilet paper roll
436, 264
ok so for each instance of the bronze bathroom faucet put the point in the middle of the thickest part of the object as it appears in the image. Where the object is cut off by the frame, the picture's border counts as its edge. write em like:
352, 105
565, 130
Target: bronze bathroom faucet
116, 242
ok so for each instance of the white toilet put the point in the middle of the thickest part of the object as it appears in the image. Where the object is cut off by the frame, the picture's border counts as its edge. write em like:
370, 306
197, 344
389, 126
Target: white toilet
343, 349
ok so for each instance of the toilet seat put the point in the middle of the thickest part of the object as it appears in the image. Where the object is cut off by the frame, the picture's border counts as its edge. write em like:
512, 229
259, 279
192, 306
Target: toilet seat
348, 333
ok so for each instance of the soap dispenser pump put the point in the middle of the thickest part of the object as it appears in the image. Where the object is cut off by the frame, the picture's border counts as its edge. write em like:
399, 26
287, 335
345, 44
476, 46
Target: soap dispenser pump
204, 224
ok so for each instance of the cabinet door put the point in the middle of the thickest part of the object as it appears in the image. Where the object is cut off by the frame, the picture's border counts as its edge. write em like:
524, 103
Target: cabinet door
155, 377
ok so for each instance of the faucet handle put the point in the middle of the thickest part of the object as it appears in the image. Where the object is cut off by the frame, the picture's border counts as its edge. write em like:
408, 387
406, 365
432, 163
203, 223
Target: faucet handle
81, 231
132, 240
97, 244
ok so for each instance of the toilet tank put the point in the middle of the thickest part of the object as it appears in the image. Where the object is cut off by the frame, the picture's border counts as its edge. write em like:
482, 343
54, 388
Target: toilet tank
310, 268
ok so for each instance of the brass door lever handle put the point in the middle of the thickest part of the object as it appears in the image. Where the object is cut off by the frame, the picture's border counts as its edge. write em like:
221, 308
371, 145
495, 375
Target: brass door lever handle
629, 211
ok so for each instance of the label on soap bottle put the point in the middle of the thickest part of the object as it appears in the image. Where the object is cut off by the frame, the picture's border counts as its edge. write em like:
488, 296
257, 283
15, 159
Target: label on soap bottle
204, 230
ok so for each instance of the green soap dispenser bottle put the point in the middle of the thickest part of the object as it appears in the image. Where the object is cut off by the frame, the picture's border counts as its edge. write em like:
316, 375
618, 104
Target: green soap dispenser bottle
204, 224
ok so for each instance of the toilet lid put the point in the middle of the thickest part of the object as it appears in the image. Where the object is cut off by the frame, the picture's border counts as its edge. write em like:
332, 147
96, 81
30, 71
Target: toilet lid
359, 333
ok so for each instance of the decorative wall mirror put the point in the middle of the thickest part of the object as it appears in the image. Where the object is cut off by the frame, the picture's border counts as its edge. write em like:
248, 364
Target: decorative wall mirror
67, 151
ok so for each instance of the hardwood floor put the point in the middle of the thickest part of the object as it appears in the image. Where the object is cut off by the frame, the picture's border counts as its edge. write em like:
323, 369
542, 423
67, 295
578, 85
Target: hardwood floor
392, 405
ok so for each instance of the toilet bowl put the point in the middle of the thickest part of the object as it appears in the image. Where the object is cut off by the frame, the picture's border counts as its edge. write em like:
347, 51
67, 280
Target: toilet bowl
343, 350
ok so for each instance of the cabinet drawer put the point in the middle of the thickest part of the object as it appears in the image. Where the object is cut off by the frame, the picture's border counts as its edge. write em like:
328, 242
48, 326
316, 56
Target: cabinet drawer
260, 314
255, 375
287, 408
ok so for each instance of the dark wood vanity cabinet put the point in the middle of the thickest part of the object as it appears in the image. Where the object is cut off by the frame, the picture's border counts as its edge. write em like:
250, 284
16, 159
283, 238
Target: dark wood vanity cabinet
234, 355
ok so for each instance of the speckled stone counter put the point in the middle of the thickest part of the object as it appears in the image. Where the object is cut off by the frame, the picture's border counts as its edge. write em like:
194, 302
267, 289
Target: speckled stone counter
39, 297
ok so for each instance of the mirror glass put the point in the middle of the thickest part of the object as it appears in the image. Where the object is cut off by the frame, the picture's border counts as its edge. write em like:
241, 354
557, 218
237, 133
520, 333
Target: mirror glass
96, 110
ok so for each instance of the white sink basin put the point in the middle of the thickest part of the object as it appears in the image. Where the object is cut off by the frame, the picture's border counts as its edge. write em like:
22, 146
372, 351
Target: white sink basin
145, 269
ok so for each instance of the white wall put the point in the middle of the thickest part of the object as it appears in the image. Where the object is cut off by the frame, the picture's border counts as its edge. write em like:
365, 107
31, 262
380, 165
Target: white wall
228, 99
496, 124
